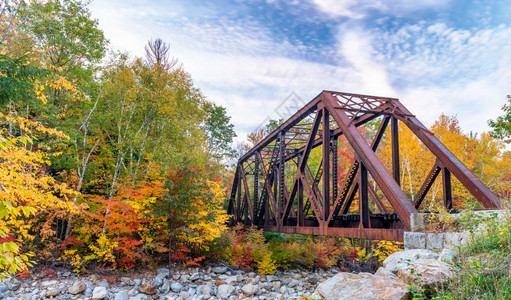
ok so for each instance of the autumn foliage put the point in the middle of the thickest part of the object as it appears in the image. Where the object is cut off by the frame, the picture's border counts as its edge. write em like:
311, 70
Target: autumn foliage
119, 162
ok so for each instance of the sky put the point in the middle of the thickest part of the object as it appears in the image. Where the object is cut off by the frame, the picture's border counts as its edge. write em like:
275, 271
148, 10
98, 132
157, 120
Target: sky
263, 60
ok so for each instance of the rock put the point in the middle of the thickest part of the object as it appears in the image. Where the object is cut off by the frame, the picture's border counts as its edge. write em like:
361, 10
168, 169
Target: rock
220, 282
219, 270
139, 297
404, 259
276, 284
77, 288
49, 283
361, 286
250, 289
137, 282
184, 278
127, 281
165, 288
271, 278
158, 281
231, 279
13, 284
447, 256
224, 290
3, 288
52, 293
434, 241
428, 273
293, 283
184, 294
164, 272
414, 240
176, 287
103, 283
88, 291
383, 272
99, 292
148, 288
203, 290
194, 276
122, 295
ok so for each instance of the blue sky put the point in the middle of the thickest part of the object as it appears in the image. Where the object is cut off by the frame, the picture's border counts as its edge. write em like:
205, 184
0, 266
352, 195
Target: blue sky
436, 56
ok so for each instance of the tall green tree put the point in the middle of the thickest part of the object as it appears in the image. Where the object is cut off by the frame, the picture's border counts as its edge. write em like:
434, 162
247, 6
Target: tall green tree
502, 125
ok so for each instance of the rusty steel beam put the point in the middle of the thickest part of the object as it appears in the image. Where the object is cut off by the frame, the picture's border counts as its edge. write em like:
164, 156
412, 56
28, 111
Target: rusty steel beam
395, 149
453, 164
377, 200
326, 164
363, 197
387, 184
426, 185
340, 201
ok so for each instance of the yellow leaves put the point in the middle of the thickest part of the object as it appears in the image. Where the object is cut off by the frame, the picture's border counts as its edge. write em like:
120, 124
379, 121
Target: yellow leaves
39, 93
104, 251
72, 256
26, 193
29, 127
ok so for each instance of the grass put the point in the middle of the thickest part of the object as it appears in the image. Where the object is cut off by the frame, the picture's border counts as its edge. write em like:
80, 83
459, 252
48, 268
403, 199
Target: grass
483, 265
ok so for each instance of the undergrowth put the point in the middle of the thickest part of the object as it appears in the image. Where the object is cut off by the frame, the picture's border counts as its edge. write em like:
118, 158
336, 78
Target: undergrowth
250, 248
483, 266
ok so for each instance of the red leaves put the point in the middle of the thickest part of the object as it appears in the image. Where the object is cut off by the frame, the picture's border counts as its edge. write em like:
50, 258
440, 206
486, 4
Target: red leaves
7, 239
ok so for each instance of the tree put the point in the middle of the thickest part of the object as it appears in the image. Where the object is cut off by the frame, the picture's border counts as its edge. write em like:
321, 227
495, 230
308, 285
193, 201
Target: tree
157, 53
219, 132
502, 125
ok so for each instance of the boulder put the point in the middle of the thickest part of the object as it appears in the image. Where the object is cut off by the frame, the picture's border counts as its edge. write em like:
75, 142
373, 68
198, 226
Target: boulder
403, 259
383, 272
148, 288
224, 290
428, 273
77, 288
361, 286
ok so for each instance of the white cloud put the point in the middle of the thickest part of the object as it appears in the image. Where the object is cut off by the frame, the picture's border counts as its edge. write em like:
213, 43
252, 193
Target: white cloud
437, 69
238, 64
357, 9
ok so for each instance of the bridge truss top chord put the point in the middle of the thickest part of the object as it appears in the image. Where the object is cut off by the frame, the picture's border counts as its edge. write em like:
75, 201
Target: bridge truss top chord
278, 187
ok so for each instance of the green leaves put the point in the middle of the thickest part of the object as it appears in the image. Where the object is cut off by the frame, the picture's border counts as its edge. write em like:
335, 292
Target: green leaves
502, 125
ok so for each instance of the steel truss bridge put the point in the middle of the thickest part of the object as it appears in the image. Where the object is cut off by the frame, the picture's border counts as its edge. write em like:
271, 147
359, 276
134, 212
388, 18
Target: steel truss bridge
278, 187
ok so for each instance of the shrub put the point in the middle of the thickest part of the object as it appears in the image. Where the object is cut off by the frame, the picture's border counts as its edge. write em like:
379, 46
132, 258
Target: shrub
483, 266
